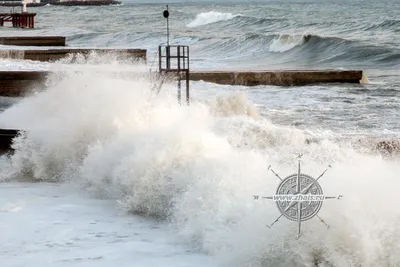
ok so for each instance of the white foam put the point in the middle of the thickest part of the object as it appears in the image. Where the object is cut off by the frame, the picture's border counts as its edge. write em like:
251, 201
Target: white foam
199, 169
286, 42
205, 18
60, 227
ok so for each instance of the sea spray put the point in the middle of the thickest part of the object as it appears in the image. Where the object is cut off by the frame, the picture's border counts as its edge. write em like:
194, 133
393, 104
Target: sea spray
199, 170
210, 17
287, 42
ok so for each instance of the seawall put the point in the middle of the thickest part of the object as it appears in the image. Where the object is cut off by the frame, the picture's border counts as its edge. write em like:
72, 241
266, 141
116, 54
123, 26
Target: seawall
56, 54
17, 83
281, 77
33, 40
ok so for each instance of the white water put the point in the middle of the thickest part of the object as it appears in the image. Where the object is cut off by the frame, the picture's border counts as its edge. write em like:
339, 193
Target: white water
197, 168
210, 17
56, 225
286, 42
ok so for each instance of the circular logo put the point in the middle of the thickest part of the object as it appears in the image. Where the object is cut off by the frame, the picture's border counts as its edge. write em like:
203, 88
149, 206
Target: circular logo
291, 190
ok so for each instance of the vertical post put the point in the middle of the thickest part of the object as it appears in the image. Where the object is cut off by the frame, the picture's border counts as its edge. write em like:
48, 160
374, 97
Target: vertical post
184, 58
167, 29
178, 48
187, 87
179, 76
179, 89
188, 60
23, 21
168, 57
166, 15
187, 77
159, 58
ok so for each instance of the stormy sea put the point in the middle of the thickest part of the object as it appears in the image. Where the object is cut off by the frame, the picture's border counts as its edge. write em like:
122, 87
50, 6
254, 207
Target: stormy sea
107, 173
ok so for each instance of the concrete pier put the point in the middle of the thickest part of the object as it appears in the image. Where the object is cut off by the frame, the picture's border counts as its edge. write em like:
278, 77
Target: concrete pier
33, 40
6, 139
281, 78
16, 83
56, 54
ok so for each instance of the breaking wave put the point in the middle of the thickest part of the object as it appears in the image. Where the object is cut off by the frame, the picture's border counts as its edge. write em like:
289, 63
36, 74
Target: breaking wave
210, 17
286, 48
198, 167
226, 40
286, 42
229, 19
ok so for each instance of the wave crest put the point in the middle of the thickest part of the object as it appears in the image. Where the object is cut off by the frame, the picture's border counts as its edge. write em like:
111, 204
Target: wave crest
286, 42
210, 17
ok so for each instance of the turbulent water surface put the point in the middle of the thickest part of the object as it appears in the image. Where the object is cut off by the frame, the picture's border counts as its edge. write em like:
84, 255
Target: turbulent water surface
108, 173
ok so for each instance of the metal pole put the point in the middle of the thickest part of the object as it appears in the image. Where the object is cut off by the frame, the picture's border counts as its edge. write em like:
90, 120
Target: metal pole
187, 77
167, 27
187, 87
168, 57
179, 89
159, 58
188, 59
178, 50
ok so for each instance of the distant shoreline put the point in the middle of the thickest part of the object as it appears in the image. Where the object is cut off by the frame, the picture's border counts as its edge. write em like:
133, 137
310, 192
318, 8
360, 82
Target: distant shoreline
69, 3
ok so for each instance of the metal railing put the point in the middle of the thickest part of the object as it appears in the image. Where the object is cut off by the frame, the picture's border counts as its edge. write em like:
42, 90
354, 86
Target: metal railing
175, 59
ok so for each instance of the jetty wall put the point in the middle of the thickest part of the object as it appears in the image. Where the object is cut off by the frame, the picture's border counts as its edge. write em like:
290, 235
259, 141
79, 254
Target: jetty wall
281, 77
57, 54
6, 140
17, 83
33, 40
